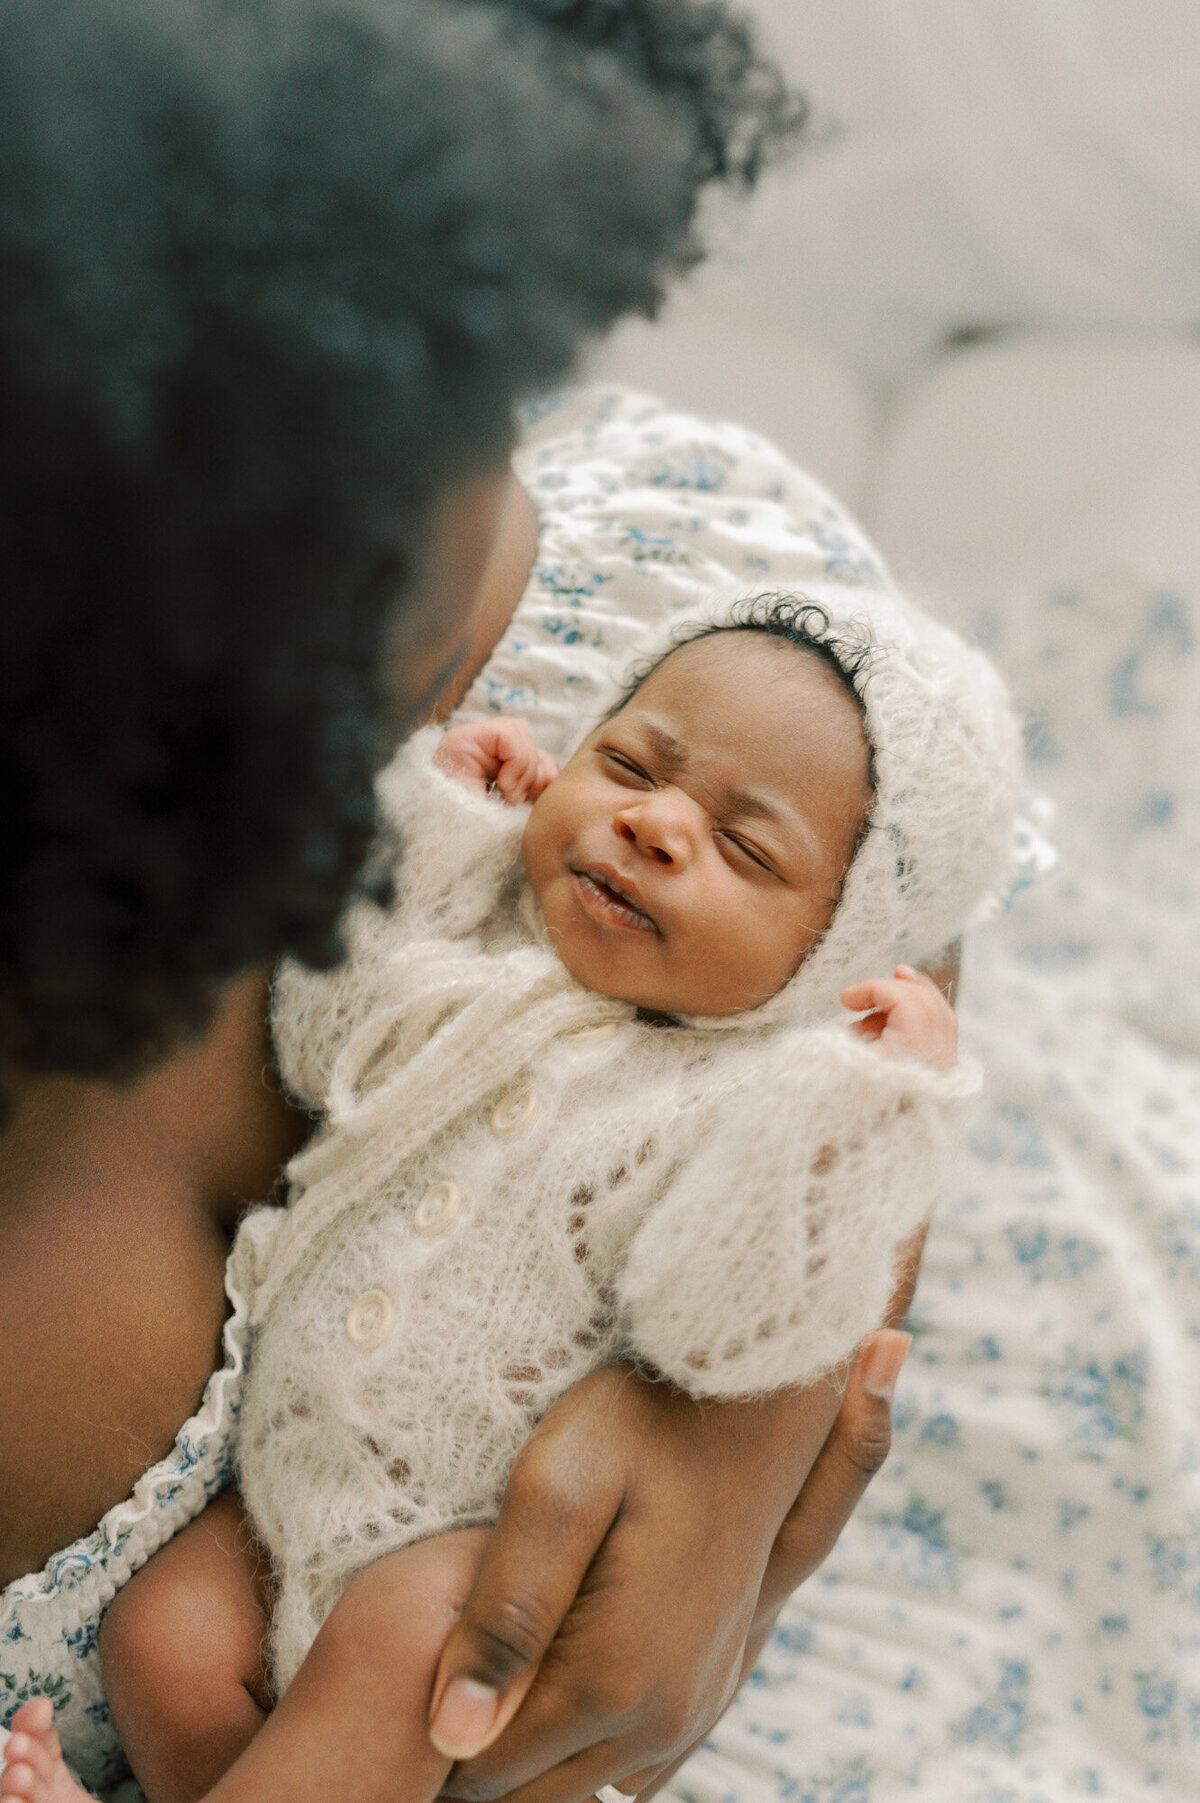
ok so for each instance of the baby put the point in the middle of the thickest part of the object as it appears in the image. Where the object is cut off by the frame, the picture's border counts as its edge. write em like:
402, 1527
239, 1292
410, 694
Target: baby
585, 1097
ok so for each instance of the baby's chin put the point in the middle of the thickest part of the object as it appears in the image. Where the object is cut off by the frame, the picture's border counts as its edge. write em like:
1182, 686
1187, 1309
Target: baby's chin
653, 994
662, 1001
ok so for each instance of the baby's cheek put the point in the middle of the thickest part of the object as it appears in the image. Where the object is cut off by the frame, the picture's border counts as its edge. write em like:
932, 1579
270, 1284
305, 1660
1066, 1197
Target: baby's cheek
806, 921
533, 845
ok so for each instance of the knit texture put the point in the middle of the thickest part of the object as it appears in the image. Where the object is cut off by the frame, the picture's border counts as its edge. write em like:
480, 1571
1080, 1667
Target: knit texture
503, 1197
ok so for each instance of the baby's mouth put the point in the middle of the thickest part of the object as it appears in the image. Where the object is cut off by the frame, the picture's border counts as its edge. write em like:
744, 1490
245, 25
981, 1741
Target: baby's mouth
609, 903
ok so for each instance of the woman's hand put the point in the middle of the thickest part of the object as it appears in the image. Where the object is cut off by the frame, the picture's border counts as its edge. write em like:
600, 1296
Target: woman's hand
645, 1544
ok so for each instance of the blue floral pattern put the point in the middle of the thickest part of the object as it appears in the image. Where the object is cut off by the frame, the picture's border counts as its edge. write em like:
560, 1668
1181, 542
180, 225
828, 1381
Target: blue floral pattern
50, 1621
1014, 1614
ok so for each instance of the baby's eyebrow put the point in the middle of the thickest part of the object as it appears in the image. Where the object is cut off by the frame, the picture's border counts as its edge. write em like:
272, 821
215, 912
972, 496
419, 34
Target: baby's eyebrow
747, 801
665, 744
736, 800
789, 819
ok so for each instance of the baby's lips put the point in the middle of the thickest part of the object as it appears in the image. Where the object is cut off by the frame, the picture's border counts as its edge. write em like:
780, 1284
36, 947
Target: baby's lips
603, 879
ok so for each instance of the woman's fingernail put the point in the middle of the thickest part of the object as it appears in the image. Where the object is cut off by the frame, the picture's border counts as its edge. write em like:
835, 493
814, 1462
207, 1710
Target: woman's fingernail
888, 1352
464, 1718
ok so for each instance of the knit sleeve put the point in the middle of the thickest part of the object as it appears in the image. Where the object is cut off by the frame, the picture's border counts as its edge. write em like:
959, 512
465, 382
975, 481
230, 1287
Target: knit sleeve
453, 848
773, 1251
456, 846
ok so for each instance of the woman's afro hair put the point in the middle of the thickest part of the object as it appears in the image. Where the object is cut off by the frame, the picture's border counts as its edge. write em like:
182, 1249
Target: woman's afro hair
273, 273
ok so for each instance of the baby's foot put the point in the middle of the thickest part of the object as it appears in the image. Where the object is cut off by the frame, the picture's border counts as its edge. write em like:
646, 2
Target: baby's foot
34, 1771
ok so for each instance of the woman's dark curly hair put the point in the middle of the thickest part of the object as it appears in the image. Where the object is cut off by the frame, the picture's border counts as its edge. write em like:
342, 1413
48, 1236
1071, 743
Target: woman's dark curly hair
272, 274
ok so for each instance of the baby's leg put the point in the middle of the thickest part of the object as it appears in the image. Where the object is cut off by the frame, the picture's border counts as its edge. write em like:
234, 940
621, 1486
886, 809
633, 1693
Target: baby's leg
182, 1652
181, 1649
353, 1722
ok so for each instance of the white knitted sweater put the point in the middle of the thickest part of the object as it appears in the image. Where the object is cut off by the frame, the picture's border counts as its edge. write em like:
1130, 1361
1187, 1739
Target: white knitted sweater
518, 1179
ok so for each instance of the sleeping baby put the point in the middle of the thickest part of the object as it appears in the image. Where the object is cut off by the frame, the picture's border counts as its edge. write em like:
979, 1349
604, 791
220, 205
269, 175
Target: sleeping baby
589, 1091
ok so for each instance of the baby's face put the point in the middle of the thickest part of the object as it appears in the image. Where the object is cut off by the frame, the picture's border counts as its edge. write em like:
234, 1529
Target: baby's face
693, 849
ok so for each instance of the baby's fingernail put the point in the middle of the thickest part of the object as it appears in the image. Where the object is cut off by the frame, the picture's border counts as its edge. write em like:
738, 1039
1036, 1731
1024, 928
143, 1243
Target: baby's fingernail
464, 1718
884, 1362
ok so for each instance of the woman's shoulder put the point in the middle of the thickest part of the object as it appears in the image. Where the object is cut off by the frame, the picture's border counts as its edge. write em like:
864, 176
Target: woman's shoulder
646, 512
659, 490
611, 439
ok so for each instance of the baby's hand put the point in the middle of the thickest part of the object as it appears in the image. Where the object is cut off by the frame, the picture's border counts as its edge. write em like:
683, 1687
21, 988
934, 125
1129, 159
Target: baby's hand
908, 1014
497, 754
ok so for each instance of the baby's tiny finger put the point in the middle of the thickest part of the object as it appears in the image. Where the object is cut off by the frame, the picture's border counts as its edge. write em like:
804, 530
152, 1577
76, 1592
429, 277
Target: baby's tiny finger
516, 777
854, 990
860, 995
906, 973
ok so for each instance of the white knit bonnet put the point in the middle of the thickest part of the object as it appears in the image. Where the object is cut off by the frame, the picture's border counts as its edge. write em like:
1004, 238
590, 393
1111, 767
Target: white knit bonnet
937, 852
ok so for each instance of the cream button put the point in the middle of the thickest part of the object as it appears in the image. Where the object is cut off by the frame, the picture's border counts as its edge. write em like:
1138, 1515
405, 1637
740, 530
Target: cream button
605, 1029
438, 1208
371, 1319
513, 1110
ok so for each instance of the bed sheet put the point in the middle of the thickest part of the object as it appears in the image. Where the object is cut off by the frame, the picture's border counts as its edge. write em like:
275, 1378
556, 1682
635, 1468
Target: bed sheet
1014, 1614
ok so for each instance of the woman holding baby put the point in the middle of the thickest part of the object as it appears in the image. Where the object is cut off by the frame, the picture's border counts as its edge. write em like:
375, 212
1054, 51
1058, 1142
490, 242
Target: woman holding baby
275, 280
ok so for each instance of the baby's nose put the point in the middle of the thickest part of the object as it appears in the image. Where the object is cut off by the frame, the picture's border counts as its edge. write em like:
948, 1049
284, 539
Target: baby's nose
659, 826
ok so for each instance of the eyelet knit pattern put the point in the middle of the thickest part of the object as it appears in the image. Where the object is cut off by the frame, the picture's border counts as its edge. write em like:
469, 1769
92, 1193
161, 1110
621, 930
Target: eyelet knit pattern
721, 1200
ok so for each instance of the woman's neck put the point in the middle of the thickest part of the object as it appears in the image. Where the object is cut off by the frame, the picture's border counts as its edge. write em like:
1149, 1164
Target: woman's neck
208, 1119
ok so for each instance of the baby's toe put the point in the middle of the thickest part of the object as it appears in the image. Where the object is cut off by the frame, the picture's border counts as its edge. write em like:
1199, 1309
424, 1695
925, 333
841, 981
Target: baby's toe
34, 1772
18, 1777
33, 1717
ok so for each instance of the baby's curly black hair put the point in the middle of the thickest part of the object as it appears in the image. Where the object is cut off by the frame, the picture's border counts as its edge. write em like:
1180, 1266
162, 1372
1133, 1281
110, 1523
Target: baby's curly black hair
273, 273
787, 619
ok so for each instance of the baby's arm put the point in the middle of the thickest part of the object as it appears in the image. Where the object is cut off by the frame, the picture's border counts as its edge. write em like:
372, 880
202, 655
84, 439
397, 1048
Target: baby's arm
907, 1015
455, 847
773, 1250
497, 754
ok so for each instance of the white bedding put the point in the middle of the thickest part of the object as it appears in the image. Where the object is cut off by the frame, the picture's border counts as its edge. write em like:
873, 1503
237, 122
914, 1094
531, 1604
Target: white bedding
969, 162
1014, 1614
